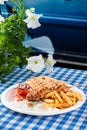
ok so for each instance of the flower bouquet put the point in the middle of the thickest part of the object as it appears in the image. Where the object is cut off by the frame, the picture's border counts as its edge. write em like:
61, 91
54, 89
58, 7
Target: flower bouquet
13, 31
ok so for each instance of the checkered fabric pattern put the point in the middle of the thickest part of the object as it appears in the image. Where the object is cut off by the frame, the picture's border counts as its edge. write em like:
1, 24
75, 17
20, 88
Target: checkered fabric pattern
75, 120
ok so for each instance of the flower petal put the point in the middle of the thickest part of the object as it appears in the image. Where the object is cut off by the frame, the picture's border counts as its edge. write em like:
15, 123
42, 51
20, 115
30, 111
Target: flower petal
49, 63
32, 20
35, 63
2, 1
1, 19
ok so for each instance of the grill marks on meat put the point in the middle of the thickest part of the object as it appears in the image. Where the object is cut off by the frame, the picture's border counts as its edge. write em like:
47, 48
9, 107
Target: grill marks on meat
40, 86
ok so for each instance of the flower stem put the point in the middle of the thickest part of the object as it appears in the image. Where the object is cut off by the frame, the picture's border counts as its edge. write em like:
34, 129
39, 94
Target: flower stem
16, 4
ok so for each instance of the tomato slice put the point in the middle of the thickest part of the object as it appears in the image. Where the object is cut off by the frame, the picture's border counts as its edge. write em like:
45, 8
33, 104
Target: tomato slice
21, 94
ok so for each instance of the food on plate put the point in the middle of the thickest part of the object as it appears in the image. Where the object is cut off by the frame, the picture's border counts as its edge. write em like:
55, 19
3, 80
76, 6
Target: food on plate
53, 93
21, 91
62, 99
38, 87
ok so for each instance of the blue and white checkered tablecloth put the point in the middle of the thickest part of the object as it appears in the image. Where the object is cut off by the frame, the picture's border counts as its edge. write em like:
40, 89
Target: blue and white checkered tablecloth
75, 120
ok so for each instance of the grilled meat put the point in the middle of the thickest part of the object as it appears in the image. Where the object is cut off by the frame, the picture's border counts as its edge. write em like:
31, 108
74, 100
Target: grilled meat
40, 86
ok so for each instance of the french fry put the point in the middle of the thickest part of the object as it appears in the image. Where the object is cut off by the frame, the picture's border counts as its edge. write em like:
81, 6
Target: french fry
58, 97
53, 105
48, 100
75, 94
61, 100
51, 94
66, 98
78, 96
65, 105
71, 93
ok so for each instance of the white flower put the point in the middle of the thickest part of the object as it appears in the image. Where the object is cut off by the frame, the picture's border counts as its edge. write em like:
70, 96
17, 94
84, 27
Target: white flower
32, 19
2, 1
49, 63
1, 19
31, 10
35, 63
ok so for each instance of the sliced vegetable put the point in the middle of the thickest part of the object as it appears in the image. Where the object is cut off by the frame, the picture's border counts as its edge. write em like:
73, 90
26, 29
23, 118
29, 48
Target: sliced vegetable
21, 93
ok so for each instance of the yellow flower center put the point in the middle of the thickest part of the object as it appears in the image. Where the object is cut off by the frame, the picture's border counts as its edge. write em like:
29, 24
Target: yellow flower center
32, 17
35, 62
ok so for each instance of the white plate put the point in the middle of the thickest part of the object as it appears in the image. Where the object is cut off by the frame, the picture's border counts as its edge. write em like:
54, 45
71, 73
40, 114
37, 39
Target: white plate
8, 99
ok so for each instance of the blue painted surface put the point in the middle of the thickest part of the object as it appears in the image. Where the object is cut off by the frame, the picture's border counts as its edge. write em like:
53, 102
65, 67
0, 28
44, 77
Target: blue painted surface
68, 8
64, 22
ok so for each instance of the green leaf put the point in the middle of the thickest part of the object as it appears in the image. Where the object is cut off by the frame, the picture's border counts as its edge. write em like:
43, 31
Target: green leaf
12, 34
